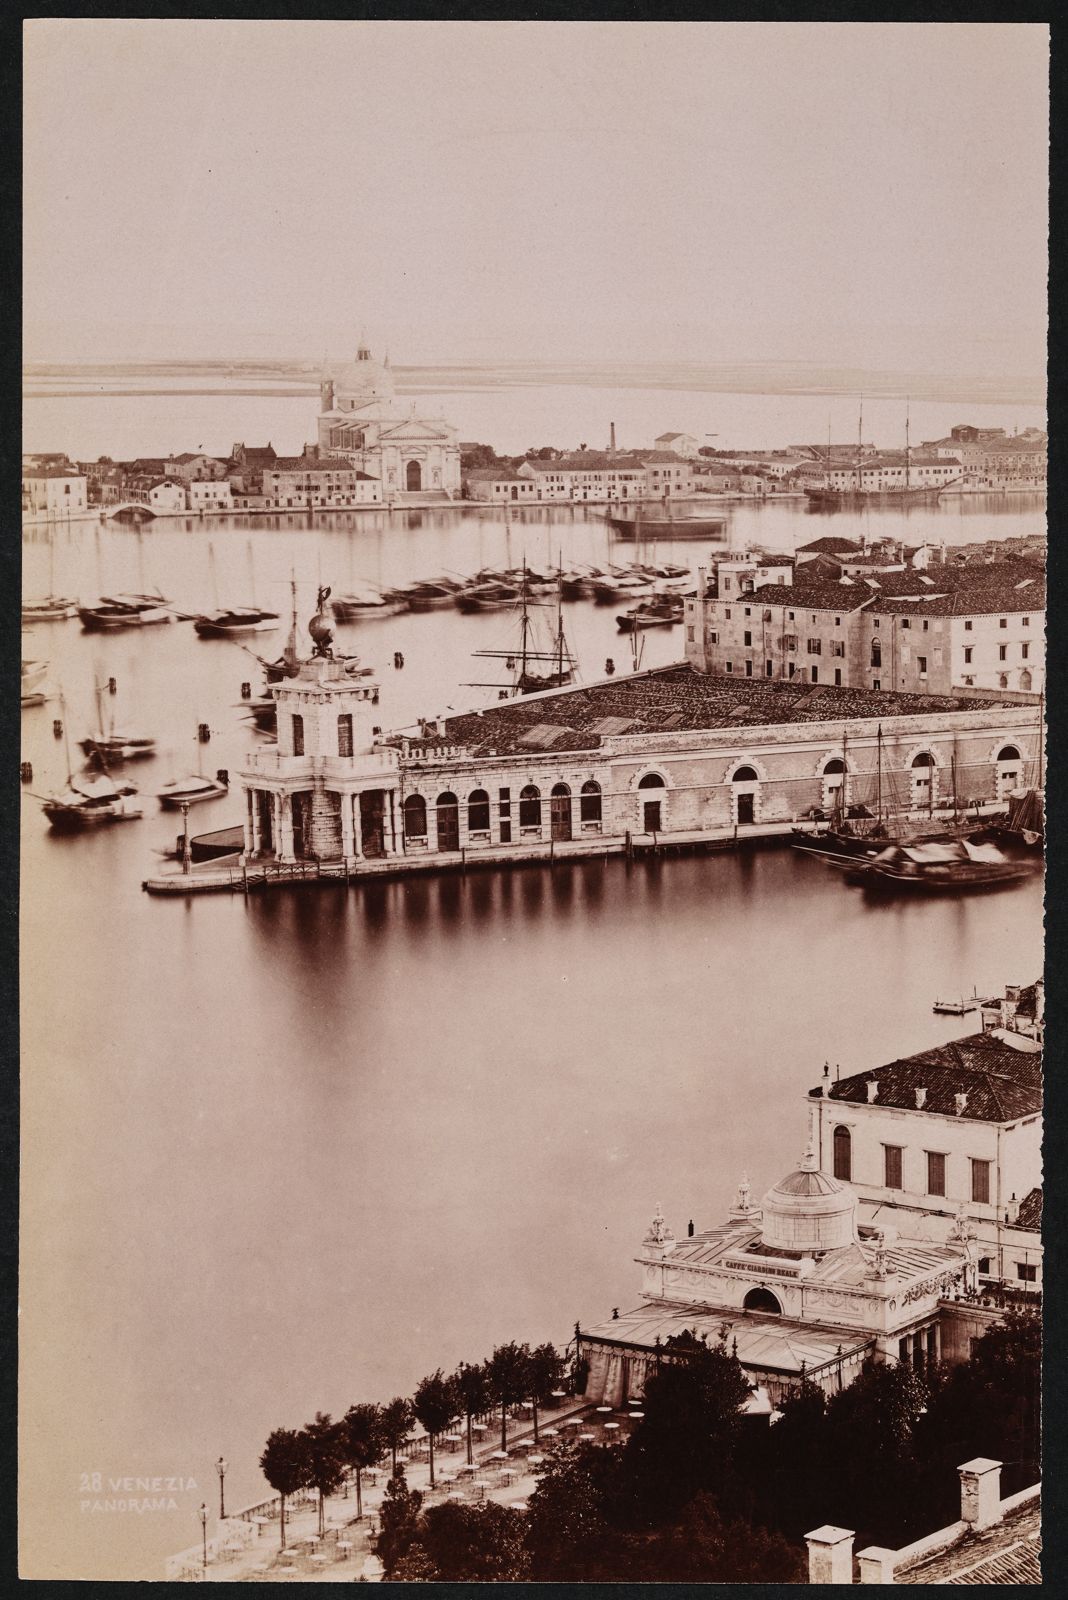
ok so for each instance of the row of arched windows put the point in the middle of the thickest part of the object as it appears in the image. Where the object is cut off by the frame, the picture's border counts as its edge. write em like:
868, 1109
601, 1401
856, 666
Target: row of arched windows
478, 807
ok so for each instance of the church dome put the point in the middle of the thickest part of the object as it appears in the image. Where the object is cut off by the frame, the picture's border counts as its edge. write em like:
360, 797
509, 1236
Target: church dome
809, 1211
362, 382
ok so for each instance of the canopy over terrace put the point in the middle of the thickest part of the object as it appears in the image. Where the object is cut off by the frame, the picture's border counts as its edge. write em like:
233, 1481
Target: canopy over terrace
773, 1350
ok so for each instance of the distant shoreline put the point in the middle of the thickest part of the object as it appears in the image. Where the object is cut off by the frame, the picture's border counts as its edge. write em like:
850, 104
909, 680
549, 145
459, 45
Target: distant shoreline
294, 379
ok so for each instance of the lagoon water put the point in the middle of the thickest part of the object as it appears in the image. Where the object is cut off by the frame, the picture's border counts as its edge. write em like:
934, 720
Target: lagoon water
286, 1153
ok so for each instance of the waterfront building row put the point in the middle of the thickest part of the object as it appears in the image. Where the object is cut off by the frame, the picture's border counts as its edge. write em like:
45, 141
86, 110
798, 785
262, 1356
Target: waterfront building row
932, 632
667, 755
586, 475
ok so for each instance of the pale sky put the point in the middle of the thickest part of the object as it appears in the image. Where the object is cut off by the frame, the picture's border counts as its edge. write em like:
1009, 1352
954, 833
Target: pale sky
869, 194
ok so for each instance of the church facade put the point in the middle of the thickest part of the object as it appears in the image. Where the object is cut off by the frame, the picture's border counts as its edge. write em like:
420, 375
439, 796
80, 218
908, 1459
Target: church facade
361, 420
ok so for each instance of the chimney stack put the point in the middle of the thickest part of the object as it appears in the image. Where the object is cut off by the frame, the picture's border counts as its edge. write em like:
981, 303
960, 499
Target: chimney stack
921, 1099
830, 1554
960, 1101
872, 1087
612, 445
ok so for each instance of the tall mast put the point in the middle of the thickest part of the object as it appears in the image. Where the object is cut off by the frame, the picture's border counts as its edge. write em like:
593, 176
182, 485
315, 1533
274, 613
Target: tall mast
860, 442
879, 772
908, 453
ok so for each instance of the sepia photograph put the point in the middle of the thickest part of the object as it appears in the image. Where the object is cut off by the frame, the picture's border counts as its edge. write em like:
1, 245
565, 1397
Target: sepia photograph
539, 527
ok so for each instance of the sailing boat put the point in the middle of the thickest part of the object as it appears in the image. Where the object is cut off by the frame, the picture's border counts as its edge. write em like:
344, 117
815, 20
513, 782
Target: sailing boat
112, 746
33, 673
224, 622
527, 680
126, 610
192, 788
858, 496
89, 799
53, 608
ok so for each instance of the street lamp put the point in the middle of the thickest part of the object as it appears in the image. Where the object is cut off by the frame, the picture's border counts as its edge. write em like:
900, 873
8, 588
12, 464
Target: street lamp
220, 1467
204, 1536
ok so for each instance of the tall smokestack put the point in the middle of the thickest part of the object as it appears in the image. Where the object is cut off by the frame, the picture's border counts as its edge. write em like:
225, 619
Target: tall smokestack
612, 444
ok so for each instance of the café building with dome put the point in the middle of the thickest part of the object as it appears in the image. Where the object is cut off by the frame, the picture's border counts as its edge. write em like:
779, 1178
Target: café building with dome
797, 1287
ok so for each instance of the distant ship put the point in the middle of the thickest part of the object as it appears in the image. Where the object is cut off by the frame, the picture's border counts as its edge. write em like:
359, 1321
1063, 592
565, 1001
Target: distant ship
857, 497
662, 522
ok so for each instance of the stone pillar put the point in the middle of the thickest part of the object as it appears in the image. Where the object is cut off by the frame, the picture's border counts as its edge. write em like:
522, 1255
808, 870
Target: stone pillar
431, 824
285, 827
830, 1554
257, 825
348, 801
980, 1492
390, 822
250, 829
876, 1564
353, 804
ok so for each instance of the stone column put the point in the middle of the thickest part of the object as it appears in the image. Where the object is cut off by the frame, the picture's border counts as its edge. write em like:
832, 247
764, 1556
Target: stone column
285, 827
357, 827
347, 803
251, 824
389, 821
980, 1492
830, 1554
431, 824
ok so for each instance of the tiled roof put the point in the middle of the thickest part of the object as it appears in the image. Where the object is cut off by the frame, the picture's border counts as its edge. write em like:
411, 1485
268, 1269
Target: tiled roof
311, 464
51, 472
1029, 1216
974, 600
811, 596
1001, 1082
491, 474
681, 698
591, 461
830, 545
656, 456
775, 1343
1008, 1552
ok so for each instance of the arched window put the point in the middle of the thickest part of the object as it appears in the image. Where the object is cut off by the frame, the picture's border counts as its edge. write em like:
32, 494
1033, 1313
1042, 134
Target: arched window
652, 780
835, 764
478, 811
448, 819
590, 801
1025, 678
745, 775
530, 807
415, 817
876, 653
762, 1300
924, 759
1008, 752
843, 1153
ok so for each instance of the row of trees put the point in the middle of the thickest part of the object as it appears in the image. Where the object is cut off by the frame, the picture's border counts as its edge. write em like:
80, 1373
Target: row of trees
320, 1455
702, 1493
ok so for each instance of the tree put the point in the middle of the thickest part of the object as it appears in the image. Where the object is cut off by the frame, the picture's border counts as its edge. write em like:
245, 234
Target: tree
545, 1373
437, 1406
475, 1395
284, 1463
398, 1523
396, 1421
686, 1438
705, 1546
326, 1462
508, 1370
570, 1528
870, 1427
792, 1492
475, 1544
363, 1444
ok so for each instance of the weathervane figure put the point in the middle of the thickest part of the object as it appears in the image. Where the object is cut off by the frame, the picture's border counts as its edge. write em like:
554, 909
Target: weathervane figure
321, 626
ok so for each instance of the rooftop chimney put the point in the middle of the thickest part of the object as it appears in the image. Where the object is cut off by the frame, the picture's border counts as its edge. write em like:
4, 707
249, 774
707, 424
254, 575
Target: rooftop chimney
612, 433
960, 1101
1012, 1210
872, 1087
921, 1099
830, 1555
980, 1492
825, 1086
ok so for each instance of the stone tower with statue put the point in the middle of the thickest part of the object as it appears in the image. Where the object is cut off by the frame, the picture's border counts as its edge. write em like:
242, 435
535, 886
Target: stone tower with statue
328, 792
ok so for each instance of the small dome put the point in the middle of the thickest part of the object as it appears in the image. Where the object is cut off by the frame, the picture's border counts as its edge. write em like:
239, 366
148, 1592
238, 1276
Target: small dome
809, 1211
363, 380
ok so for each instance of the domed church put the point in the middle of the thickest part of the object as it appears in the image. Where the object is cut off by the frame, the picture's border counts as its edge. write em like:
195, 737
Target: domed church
797, 1287
361, 420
